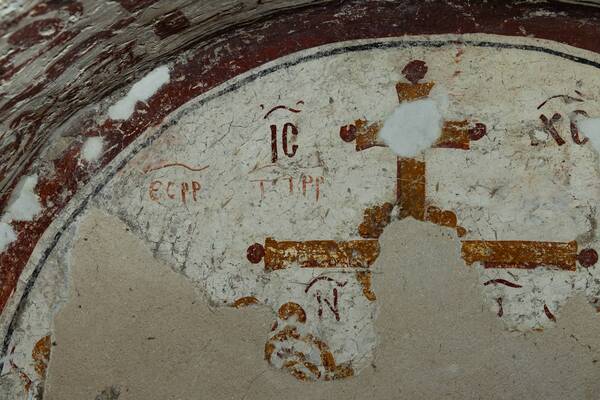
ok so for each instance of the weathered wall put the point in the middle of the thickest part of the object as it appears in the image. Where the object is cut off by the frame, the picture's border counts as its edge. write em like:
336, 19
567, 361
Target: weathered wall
65, 65
60, 56
53, 69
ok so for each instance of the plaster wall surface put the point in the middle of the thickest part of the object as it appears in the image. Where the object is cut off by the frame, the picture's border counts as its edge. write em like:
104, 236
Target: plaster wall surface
243, 230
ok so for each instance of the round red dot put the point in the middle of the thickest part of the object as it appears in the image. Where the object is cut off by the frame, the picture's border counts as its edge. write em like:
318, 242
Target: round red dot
255, 253
478, 131
587, 257
414, 71
348, 133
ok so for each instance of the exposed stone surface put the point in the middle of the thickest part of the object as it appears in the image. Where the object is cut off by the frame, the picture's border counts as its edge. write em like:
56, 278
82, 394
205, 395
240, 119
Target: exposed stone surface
438, 340
133, 324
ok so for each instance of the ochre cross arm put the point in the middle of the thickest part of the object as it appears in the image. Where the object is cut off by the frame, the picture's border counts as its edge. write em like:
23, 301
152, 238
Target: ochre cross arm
527, 254
314, 254
455, 134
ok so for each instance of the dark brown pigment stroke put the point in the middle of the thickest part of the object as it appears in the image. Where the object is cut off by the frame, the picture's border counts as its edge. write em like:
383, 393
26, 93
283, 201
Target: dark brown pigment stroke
550, 129
170, 24
575, 130
502, 282
500, 308
549, 313
323, 278
282, 107
176, 164
566, 98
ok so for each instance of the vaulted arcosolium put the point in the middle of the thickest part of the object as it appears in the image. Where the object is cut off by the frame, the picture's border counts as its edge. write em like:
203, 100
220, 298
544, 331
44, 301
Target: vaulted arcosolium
260, 199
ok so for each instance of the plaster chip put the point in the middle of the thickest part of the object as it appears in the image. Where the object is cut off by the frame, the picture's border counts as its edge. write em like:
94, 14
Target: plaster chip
92, 149
140, 91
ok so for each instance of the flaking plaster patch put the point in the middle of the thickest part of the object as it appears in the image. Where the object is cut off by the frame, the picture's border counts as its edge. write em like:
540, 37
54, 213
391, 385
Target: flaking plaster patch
140, 91
130, 318
24, 205
92, 149
413, 127
590, 127
436, 335
35, 319
7, 235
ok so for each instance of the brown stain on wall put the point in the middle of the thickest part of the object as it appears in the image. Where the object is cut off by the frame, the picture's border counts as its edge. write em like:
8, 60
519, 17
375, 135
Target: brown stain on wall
297, 362
135, 5
520, 254
171, 24
290, 309
365, 134
41, 355
412, 198
410, 190
375, 219
364, 278
245, 301
326, 357
413, 91
440, 217
36, 32
445, 218
320, 254
455, 135
25, 380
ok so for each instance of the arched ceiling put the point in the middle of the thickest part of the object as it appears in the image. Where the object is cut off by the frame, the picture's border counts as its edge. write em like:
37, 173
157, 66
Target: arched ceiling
64, 65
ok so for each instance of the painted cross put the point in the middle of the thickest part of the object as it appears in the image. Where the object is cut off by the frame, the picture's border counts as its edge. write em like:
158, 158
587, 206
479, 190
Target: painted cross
412, 200
359, 255
410, 185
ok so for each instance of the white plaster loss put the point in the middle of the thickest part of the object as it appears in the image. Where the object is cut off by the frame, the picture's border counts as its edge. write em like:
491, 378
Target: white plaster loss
7, 235
590, 127
92, 149
140, 91
9, 6
415, 125
24, 204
